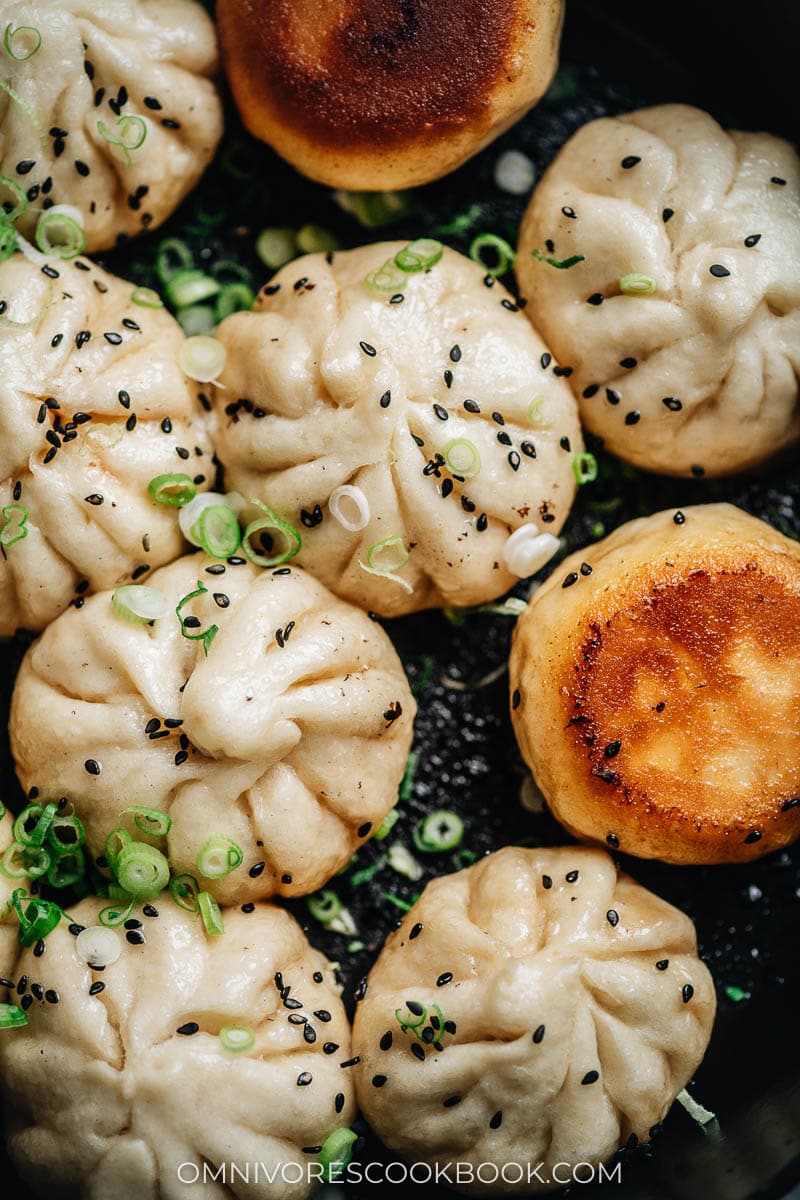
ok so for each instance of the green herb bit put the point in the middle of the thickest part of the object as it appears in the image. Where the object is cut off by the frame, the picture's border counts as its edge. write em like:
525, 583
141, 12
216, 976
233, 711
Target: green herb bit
15, 524
205, 636
561, 264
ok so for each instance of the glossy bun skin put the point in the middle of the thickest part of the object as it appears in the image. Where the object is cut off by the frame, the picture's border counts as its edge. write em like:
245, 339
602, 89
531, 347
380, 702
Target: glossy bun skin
385, 94
571, 1009
700, 376
655, 682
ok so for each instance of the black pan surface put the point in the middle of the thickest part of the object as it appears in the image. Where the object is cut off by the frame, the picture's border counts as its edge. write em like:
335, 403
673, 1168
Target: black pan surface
616, 56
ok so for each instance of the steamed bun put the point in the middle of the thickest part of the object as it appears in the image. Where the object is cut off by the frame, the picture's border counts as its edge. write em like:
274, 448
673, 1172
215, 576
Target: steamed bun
108, 1094
289, 738
93, 405
536, 1008
328, 385
697, 374
655, 682
9, 925
123, 68
376, 95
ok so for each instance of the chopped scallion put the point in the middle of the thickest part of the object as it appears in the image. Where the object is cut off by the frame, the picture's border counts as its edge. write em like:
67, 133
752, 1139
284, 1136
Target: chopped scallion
313, 239
439, 831
501, 256
141, 870
146, 297
184, 890
115, 914
461, 457
387, 824
98, 945
377, 563
197, 320
561, 264
218, 857
172, 255
234, 297
205, 636
237, 1039
21, 43
20, 199
190, 286
419, 255
637, 285
172, 489
59, 234
217, 531
266, 527
335, 1154
324, 906
584, 467
12, 1016
276, 247
15, 524
139, 604
152, 821
209, 911
129, 133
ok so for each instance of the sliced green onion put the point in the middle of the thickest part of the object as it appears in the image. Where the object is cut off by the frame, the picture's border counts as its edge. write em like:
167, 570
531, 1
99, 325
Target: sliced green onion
12, 1016
114, 914
407, 783
190, 286
366, 874
360, 518
38, 919
637, 285
512, 606
8, 240
397, 901
219, 856
463, 222
205, 636
184, 890
37, 861
197, 320
696, 1111
526, 550
58, 234
15, 524
387, 824
387, 280
29, 113
237, 1039
561, 264
217, 531
209, 911
461, 457
2, 810
33, 822
375, 209
115, 843
98, 945
131, 132
139, 604
419, 255
335, 1153
234, 297
324, 906
172, 255
226, 271
172, 489
190, 513
584, 467
402, 861
502, 256
146, 297
313, 239
438, 831
276, 247
67, 869
262, 526
142, 871
28, 39
152, 821
535, 410
12, 864
415, 1022
378, 550
20, 199
736, 994
202, 358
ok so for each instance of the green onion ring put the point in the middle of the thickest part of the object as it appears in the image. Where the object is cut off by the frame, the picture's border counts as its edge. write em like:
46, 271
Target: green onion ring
217, 531
561, 264
11, 33
437, 832
12, 1016
37, 920
8, 240
324, 906
218, 857
505, 255
461, 457
132, 133
66, 834
387, 280
209, 911
20, 198
184, 890
335, 1154
584, 467
59, 235
14, 527
388, 572
205, 636
172, 249
139, 604
419, 255
234, 297
141, 870
637, 285
176, 490
115, 843
152, 821
237, 1039
270, 520
12, 864
67, 869
114, 914
190, 286
146, 297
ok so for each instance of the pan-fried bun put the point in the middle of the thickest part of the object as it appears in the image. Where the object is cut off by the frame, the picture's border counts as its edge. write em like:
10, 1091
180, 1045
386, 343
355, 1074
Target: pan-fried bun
655, 683
376, 94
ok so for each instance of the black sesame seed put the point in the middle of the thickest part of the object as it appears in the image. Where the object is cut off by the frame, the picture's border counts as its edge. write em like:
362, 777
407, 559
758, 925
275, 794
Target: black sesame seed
596, 298
397, 298
133, 923
385, 400
628, 363
613, 749
52, 996
92, 766
718, 271
152, 103
74, 929
447, 487
417, 1051
612, 396
130, 424
687, 991
698, 471
338, 1102
309, 1034
633, 418
81, 167
416, 931
509, 305
514, 460
547, 882
516, 699
612, 916
752, 240
672, 403
590, 1077
386, 1041
304, 1078
370, 351
679, 518
441, 413
503, 438
590, 391
630, 160
776, 179
666, 214
38, 949
789, 804
168, 123
455, 353
330, 1047
97, 988
350, 1062
471, 406
444, 978
451, 1101
570, 579
571, 876
25, 1003
569, 212
134, 937
286, 878
662, 964
150, 910
115, 339
415, 1008
753, 836
482, 523
378, 1080
256, 870
538, 1034
364, 829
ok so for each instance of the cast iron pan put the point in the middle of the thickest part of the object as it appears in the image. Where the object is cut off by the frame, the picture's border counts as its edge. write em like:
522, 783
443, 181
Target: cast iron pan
615, 56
